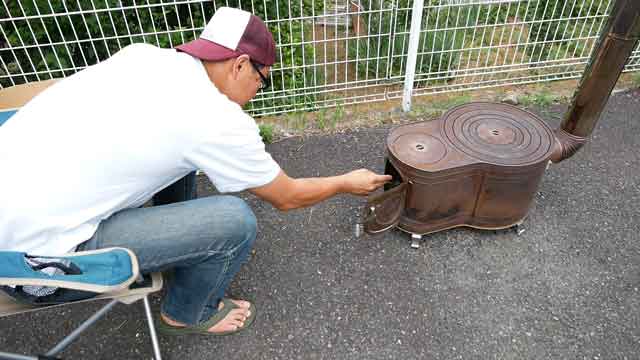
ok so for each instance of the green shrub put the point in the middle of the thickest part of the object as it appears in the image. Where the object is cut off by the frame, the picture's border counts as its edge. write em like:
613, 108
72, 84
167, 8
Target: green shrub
91, 34
441, 43
94, 30
555, 39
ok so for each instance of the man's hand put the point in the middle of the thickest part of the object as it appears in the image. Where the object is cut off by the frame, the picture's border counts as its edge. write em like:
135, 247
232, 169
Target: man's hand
363, 181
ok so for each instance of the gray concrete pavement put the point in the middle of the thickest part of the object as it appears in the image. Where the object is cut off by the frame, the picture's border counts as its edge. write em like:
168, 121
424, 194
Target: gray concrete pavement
567, 288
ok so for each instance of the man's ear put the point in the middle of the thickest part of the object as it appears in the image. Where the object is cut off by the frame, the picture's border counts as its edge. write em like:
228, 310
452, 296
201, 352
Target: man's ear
239, 63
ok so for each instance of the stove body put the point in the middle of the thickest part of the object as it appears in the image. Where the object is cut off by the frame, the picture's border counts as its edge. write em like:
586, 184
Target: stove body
478, 166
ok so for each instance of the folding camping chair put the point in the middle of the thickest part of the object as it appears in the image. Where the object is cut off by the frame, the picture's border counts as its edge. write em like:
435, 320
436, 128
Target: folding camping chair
134, 288
11, 99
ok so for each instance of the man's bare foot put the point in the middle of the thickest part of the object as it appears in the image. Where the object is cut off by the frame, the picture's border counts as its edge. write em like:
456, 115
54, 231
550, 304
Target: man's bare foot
233, 321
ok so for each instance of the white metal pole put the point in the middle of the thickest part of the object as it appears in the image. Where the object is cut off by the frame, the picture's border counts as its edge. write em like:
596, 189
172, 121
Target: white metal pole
412, 55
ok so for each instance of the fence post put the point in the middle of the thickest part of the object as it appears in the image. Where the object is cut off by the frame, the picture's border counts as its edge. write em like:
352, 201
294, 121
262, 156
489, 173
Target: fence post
412, 55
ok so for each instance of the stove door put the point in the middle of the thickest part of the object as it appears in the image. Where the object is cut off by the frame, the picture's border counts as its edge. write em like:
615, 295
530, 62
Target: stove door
383, 211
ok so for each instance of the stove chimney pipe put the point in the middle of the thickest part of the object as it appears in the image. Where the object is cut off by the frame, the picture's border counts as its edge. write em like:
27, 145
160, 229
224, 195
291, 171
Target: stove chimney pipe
617, 41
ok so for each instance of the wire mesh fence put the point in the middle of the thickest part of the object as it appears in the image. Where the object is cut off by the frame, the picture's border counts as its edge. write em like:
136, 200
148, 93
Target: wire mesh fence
476, 44
329, 52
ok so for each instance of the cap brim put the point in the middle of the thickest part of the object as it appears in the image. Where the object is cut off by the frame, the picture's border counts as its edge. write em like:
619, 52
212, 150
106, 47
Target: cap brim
207, 50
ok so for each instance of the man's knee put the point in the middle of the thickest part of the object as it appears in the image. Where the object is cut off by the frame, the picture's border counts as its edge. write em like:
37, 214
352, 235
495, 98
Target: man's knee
244, 223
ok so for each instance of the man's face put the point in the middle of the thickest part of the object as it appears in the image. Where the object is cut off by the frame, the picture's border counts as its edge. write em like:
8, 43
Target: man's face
246, 80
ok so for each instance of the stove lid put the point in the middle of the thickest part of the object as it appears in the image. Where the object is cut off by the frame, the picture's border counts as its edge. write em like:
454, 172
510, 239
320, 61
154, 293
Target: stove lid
498, 134
417, 148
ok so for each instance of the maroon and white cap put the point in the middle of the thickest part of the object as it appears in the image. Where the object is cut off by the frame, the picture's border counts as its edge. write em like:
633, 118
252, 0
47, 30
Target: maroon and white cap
230, 33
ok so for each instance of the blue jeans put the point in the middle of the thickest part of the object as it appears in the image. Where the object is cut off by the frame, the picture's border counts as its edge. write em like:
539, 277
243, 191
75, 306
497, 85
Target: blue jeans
203, 241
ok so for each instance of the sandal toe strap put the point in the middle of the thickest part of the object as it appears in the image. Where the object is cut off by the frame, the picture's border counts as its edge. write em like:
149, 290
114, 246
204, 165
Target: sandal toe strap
219, 316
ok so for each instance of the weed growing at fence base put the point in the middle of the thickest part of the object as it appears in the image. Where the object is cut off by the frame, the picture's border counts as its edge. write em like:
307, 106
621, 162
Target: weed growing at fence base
636, 79
543, 99
266, 132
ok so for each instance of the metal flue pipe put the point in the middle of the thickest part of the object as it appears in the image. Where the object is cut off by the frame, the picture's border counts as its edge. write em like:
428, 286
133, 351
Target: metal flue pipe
617, 41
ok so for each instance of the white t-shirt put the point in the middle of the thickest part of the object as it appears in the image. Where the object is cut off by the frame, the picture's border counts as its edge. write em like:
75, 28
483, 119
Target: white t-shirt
111, 136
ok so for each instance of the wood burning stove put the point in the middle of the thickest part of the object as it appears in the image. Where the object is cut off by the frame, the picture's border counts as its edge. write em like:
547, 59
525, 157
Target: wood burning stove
480, 164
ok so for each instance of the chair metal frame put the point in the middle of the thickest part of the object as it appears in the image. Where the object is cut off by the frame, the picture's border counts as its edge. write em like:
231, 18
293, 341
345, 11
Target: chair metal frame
9, 306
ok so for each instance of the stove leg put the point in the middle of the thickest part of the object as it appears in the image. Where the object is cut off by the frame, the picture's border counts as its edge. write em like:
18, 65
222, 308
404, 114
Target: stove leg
415, 241
519, 228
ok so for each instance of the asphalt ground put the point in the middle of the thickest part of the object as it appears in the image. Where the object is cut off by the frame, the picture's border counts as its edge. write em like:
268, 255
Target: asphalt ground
566, 288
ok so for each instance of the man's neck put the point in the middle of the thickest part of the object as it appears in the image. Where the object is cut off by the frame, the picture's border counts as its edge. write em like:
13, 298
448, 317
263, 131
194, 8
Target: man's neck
213, 72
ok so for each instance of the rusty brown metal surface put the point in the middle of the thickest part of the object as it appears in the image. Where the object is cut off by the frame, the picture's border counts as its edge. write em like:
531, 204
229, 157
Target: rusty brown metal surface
479, 166
615, 44
383, 210
566, 145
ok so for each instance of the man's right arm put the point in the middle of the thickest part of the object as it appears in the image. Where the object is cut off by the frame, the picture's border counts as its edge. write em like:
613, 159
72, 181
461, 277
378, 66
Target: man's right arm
286, 193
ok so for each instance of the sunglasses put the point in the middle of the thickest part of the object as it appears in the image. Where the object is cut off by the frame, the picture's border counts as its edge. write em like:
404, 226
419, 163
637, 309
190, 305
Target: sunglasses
264, 82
